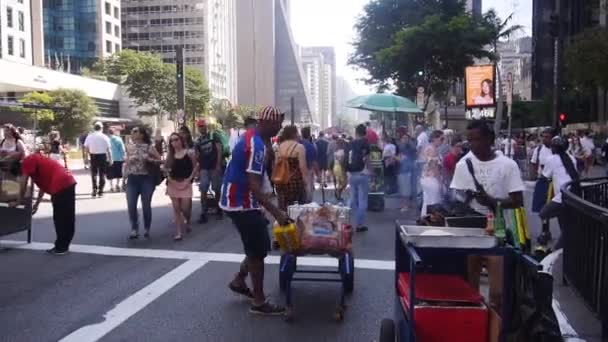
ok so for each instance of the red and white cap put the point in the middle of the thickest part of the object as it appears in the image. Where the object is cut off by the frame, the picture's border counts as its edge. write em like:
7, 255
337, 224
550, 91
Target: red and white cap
270, 113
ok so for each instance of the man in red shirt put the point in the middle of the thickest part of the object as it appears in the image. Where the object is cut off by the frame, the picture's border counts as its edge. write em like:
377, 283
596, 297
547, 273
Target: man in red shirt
51, 178
370, 135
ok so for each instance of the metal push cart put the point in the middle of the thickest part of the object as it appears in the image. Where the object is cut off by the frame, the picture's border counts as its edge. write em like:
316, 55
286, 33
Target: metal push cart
344, 274
413, 260
16, 219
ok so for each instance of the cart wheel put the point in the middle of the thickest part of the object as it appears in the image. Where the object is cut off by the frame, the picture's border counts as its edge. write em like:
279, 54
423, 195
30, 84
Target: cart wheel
286, 269
339, 314
346, 266
289, 315
387, 331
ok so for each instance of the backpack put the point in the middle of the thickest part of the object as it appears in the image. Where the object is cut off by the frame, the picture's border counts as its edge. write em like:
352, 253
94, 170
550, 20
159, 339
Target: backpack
355, 158
281, 173
224, 140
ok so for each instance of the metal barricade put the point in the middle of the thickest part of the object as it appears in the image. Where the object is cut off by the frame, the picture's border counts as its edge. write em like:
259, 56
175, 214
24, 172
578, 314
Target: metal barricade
585, 229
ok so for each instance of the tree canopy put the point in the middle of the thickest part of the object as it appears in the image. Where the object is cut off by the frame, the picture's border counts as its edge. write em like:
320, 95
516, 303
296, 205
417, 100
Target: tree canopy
151, 82
586, 59
74, 116
409, 44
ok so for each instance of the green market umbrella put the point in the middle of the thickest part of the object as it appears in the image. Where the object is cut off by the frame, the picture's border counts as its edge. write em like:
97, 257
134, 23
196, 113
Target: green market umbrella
384, 103
387, 103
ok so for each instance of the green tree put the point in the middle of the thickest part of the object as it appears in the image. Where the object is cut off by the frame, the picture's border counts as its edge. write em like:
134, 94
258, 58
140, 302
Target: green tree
43, 118
76, 114
151, 82
499, 30
223, 111
409, 44
586, 62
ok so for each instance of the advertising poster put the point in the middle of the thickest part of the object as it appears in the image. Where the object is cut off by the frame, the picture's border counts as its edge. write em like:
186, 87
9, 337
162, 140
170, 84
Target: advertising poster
480, 86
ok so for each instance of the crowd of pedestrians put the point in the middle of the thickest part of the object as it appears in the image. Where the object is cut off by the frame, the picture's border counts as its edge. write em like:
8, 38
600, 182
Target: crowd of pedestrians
424, 169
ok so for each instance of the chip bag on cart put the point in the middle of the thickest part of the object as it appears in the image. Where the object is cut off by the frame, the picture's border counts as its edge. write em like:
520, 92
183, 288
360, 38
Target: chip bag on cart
316, 230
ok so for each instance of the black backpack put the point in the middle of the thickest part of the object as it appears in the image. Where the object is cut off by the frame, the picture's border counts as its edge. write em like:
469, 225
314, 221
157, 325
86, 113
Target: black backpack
355, 156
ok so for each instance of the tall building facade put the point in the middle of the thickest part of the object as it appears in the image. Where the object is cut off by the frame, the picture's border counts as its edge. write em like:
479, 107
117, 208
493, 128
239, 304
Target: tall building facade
16, 31
78, 33
320, 80
576, 16
205, 28
474, 6
269, 63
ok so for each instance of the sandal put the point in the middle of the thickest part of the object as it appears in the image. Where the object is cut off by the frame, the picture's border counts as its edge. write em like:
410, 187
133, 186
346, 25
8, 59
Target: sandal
177, 238
241, 290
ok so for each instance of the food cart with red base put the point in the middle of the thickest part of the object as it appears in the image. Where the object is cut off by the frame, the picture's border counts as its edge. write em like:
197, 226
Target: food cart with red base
434, 302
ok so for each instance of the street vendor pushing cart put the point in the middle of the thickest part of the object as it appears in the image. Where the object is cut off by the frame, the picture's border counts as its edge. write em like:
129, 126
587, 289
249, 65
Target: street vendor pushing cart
490, 180
52, 178
243, 198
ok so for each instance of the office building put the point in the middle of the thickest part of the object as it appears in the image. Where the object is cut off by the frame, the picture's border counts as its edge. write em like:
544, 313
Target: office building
576, 16
269, 63
16, 31
205, 28
320, 80
78, 33
515, 59
474, 6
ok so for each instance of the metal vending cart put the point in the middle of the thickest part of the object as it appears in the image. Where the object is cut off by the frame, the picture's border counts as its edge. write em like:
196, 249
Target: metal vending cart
375, 199
431, 291
16, 219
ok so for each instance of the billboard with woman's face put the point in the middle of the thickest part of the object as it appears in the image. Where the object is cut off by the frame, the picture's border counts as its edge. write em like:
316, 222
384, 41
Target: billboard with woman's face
480, 86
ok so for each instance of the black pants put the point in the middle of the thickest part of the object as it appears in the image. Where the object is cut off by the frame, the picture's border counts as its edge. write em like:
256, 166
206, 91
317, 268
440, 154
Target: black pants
99, 163
64, 216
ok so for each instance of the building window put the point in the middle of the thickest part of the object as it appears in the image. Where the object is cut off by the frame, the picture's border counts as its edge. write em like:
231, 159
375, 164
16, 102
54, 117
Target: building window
22, 48
21, 19
108, 8
116, 47
108, 46
10, 42
108, 27
117, 30
116, 12
9, 17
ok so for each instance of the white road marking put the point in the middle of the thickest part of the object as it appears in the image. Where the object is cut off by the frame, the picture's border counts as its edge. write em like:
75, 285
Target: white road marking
370, 264
133, 304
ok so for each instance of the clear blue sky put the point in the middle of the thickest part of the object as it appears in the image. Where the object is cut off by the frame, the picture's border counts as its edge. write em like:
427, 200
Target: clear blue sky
330, 23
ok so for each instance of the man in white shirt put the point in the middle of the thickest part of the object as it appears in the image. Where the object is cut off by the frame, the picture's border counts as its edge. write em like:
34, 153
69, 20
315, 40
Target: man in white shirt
98, 147
422, 141
499, 181
540, 157
561, 169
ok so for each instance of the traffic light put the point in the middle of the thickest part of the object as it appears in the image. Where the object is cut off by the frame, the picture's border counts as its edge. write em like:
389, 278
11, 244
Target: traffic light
554, 25
181, 83
563, 119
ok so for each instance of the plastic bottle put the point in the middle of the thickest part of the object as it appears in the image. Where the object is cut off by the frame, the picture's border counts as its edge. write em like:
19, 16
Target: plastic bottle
499, 225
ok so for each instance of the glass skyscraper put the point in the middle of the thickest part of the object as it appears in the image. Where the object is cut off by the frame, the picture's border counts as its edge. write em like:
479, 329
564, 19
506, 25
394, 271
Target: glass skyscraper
78, 32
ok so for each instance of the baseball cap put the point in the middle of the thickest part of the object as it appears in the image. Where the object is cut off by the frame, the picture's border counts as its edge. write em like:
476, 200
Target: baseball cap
201, 123
98, 124
270, 113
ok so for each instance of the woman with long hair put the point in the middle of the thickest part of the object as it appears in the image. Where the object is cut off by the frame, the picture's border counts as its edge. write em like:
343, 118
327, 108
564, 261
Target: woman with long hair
185, 133
293, 191
12, 147
486, 95
431, 180
140, 153
181, 167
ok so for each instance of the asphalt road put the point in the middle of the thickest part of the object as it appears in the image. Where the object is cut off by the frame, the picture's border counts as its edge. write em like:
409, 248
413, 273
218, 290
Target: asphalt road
113, 289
